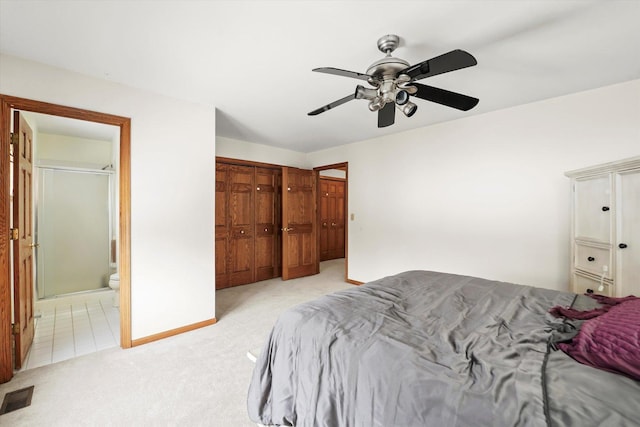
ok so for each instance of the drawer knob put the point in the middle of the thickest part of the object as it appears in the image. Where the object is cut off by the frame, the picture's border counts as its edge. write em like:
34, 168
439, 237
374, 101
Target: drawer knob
605, 208
591, 259
589, 291
622, 245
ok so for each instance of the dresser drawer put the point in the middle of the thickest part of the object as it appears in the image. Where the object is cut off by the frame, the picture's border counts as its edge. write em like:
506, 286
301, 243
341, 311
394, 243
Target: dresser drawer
583, 285
593, 259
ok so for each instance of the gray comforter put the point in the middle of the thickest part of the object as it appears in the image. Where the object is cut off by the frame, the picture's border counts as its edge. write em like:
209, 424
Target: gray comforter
432, 349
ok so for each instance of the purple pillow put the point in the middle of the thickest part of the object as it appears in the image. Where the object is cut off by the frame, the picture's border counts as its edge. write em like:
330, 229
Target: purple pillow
610, 341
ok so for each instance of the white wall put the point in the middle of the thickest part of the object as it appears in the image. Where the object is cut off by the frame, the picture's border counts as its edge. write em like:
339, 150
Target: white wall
172, 171
483, 195
236, 149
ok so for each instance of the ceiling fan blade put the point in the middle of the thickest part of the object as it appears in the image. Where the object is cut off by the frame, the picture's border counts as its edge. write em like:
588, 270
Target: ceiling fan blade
445, 97
454, 60
332, 105
344, 73
387, 115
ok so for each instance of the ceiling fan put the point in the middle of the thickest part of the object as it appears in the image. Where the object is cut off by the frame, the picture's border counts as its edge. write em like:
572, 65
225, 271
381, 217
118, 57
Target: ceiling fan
394, 80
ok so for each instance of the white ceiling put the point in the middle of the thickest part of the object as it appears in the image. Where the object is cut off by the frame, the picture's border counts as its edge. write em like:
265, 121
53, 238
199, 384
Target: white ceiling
252, 60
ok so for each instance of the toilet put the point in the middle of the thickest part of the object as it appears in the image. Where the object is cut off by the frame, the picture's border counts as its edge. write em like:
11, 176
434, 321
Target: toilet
114, 283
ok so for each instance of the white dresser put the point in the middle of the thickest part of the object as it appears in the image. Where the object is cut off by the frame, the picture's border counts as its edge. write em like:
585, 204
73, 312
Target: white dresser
605, 228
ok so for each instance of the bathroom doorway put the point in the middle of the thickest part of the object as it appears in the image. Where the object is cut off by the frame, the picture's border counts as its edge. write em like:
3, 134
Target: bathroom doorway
11, 302
74, 169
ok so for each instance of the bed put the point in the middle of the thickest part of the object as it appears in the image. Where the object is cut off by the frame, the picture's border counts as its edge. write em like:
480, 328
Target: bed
425, 348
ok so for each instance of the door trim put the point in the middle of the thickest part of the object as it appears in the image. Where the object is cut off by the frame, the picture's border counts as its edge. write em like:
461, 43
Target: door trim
7, 103
345, 167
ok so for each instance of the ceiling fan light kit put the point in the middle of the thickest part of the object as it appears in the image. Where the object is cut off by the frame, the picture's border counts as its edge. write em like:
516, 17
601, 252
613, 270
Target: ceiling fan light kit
394, 82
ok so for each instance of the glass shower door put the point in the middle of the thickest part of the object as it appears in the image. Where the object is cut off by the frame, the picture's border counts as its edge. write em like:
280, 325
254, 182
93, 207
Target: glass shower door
73, 221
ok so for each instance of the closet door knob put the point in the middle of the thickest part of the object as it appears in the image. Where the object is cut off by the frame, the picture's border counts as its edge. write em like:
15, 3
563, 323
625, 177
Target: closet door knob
622, 245
605, 208
591, 259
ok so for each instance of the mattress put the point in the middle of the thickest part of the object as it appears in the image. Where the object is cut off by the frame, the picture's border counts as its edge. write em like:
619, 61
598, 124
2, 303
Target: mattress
426, 348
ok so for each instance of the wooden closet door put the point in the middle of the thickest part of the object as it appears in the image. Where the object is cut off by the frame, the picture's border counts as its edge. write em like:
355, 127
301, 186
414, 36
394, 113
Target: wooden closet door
267, 214
223, 270
241, 225
332, 219
299, 244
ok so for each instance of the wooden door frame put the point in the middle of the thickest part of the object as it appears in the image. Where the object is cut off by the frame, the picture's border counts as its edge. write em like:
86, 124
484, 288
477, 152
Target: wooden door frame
7, 103
345, 167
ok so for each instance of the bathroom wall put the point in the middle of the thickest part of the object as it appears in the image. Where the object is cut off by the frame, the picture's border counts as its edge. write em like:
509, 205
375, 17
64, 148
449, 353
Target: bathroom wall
65, 150
115, 199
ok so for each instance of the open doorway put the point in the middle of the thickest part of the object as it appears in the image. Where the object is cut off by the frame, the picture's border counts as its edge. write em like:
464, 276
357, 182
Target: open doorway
332, 194
75, 237
17, 286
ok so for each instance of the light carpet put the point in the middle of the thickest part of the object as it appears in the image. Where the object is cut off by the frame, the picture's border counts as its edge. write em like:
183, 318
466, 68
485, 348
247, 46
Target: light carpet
199, 378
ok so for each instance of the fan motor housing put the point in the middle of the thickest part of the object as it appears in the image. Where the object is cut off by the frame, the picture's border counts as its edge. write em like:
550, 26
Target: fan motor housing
387, 67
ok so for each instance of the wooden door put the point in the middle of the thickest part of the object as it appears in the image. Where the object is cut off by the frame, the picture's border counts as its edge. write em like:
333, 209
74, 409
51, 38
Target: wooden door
223, 270
241, 225
22, 246
299, 246
267, 241
332, 219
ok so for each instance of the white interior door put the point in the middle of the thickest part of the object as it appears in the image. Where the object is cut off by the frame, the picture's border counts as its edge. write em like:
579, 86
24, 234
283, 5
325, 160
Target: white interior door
628, 244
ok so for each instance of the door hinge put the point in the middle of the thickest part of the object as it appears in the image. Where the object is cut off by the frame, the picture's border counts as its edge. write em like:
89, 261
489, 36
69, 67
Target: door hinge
15, 138
14, 234
15, 328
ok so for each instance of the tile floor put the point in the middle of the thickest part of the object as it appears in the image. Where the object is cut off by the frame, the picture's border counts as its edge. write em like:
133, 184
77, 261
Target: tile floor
74, 325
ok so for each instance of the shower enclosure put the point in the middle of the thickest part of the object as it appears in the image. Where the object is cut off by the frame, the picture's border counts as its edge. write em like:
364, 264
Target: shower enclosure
73, 230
